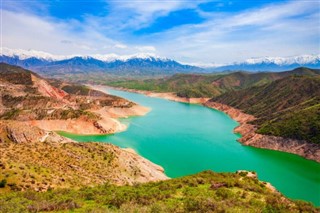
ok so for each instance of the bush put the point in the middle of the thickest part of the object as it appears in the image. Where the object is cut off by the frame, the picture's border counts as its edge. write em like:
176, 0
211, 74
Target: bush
3, 183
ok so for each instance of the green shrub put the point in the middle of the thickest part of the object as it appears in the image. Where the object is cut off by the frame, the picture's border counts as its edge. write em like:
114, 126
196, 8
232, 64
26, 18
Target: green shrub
3, 183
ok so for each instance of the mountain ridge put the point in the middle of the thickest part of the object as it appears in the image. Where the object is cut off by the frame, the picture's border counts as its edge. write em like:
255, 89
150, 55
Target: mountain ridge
141, 63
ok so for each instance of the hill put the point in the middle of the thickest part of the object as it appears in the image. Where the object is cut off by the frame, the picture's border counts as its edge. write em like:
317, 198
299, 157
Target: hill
203, 192
208, 85
288, 107
25, 96
34, 157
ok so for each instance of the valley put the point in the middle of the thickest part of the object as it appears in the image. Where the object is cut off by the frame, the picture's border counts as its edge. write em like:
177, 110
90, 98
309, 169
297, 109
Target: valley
280, 109
154, 106
63, 163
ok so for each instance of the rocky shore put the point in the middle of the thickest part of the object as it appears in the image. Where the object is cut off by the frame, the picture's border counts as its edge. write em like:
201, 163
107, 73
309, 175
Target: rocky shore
251, 138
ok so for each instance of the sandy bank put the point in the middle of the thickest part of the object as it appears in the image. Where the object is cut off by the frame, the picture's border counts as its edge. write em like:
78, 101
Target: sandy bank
108, 124
78, 126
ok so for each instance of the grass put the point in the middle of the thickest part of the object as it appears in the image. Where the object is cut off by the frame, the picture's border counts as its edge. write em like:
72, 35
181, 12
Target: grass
188, 194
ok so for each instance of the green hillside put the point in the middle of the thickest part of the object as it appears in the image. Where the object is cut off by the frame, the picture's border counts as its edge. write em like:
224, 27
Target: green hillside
289, 107
208, 85
203, 192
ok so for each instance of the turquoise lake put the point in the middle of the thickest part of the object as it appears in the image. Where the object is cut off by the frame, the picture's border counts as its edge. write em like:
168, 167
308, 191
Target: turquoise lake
187, 138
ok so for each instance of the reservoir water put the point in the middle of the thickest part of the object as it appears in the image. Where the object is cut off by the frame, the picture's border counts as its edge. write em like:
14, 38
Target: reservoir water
187, 138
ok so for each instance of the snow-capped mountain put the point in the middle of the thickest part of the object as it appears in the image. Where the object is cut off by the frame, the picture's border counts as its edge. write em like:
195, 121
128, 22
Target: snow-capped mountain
140, 63
40, 55
274, 63
302, 59
26, 54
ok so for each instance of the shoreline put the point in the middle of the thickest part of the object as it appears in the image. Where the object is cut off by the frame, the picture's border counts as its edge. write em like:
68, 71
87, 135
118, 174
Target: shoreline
248, 135
107, 124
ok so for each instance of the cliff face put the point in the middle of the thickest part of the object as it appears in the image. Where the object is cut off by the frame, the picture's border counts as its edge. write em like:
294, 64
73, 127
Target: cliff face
251, 138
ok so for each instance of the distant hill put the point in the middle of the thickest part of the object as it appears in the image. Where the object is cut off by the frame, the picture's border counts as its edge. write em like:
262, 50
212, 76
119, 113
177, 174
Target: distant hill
288, 107
209, 85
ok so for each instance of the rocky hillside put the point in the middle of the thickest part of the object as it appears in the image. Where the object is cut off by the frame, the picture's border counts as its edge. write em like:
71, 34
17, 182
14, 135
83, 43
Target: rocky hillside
34, 157
25, 96
289, 107
208, 85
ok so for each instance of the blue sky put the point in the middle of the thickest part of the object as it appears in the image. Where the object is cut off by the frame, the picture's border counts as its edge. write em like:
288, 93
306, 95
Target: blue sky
199, 32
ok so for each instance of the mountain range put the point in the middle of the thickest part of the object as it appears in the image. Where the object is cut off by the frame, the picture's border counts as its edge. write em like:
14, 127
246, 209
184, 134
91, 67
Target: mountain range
144, 64
137, 64
273, 63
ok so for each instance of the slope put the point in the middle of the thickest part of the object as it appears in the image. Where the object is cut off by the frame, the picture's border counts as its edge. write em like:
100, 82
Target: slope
34, 157
288, 107
203, 192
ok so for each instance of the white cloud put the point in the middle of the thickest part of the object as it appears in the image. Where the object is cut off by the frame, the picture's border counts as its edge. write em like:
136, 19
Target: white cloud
281, 29
121, 46
137, 14
275, 30
26, 31
146, 48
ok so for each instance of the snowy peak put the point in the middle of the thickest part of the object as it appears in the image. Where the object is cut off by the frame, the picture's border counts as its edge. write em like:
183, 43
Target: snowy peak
27, 54
137, 64
274, 63
301, 60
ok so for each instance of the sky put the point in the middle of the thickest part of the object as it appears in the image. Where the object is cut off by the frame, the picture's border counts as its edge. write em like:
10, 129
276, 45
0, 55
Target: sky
197, 32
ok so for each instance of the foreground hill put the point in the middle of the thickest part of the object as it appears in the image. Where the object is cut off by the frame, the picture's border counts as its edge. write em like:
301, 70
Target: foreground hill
208, 85
47, 161
203, 192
